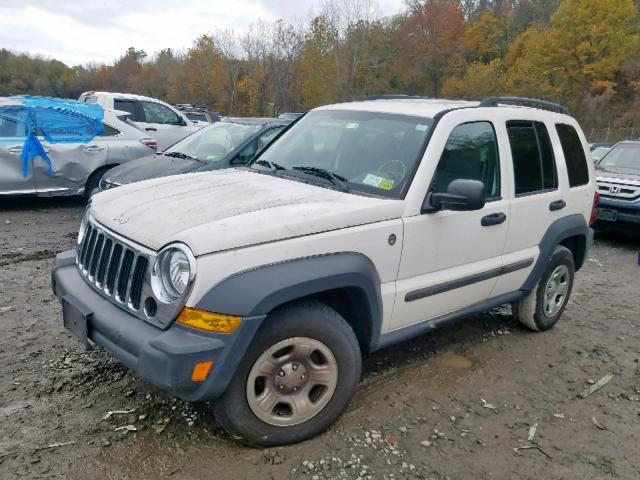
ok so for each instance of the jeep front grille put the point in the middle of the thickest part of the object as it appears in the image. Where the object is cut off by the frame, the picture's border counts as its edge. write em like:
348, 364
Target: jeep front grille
116, 268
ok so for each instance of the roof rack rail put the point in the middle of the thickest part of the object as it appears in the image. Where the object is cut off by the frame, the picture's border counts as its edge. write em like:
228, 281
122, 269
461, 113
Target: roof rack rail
524, 102
398, 96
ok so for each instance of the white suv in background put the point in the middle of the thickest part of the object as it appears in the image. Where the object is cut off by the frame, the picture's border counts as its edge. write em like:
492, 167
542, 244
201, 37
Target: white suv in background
158, 119
362, 225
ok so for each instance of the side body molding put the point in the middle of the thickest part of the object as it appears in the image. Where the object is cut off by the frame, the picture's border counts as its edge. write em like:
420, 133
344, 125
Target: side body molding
558, 231
260, 290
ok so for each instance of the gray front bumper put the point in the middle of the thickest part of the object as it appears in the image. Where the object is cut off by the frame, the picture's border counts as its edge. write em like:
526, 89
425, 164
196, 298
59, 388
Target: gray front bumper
164, 358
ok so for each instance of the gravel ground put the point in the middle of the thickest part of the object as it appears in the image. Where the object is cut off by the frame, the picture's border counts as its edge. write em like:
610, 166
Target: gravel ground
456, 404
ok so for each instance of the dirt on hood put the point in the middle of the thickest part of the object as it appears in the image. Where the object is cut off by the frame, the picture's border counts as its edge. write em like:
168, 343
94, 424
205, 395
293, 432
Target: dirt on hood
192, 209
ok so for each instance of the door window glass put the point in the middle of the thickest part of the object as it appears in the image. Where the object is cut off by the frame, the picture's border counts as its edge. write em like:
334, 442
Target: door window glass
127, 106
533, 160
108, 131
471, 153
158, 113
266, 137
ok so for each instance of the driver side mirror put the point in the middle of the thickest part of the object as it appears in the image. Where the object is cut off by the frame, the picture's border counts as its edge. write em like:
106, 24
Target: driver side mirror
461, 195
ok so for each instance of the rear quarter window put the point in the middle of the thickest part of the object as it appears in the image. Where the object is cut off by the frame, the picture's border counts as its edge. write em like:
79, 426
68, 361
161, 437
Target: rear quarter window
574, 156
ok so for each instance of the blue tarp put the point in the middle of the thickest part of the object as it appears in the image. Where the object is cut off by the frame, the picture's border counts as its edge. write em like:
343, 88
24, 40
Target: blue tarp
58, 121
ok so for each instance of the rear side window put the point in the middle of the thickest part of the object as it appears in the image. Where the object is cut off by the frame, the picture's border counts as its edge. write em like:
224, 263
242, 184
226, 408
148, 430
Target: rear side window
471, 153
108, 131
534, 165
127, 106
573, 155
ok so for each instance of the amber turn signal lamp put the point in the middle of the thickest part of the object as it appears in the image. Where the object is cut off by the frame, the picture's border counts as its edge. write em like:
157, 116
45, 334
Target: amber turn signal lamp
208, 321
201, 371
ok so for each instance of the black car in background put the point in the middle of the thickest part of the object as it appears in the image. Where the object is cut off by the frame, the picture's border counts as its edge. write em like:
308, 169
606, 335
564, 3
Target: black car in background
227, 143
618, 182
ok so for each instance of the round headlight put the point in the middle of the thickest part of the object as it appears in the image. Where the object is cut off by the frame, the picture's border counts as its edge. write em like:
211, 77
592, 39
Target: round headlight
83, 226
173, 271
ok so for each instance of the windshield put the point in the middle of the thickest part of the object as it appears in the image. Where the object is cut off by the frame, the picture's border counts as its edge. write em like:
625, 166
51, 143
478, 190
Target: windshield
622, 156
599, 152
366, 151
215, 142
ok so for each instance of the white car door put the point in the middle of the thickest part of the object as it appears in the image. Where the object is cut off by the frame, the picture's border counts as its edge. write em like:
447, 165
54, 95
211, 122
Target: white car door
451, 259
164, 124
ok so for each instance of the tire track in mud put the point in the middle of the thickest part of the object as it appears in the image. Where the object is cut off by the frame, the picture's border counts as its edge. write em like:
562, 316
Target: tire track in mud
12, 258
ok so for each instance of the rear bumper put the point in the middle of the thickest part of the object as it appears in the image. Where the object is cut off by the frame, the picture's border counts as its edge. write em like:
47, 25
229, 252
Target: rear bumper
164, 358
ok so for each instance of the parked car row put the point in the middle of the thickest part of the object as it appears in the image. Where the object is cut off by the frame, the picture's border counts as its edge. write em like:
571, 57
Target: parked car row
144, 137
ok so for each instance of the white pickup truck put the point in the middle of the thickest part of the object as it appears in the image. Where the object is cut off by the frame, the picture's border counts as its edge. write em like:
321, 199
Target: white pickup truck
362, 225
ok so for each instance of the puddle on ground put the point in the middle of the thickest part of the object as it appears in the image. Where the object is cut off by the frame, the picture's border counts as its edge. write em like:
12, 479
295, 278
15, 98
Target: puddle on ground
455, 361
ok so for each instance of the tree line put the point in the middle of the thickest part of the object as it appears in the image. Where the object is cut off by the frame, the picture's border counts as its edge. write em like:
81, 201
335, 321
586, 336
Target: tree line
581, 53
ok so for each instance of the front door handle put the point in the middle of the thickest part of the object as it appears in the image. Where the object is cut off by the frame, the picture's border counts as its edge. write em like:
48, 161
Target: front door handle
493, 219
15, 150
151, 129
93, 148
557, 205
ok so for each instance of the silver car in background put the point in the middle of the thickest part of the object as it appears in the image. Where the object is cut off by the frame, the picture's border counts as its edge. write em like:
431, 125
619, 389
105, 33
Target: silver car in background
77, 167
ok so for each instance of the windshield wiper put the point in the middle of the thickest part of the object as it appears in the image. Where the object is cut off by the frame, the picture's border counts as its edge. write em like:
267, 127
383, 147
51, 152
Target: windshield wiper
338, 180
271, 165
179, 155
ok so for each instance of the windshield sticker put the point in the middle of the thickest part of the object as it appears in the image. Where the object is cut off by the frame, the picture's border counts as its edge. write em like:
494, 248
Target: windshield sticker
352, 125
421, 127
378, 182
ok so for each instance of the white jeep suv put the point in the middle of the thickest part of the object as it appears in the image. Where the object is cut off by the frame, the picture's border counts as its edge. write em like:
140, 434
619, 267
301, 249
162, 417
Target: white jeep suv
362, 225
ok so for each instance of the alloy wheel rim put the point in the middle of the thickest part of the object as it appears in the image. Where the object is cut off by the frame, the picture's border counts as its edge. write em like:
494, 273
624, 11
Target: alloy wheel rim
292, 381
556, 291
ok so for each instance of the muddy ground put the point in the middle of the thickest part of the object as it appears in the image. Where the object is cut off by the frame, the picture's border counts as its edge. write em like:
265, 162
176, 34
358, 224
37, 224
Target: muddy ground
454, 404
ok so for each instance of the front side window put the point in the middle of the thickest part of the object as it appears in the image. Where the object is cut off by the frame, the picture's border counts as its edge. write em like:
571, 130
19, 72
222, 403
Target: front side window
158, 113
534, 165
625, 156
10, 129
369, 152
573, 155
471, 153
213, 143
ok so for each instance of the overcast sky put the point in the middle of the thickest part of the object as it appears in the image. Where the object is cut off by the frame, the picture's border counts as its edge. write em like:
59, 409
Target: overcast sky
99, 31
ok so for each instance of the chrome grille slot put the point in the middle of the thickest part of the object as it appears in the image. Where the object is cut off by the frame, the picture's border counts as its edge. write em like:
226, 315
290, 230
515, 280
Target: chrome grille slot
135, 291
104, 260
114, 264
97, 251
124, 276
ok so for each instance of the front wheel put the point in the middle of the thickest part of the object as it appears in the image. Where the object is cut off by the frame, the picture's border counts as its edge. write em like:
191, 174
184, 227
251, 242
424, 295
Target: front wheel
543, 307
295, 380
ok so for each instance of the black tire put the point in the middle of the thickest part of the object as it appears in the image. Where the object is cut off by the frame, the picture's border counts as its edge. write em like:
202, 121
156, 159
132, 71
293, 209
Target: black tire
94, 181
530, 311
310, 319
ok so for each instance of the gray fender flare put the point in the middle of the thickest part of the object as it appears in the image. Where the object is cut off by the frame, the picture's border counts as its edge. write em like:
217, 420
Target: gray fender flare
258, 291
558, 231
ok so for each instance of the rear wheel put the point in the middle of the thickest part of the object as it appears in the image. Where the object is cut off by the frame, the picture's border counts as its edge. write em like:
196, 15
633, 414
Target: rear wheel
295, 380
543, 307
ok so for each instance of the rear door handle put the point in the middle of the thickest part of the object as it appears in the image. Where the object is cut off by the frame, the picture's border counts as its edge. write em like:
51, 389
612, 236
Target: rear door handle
493, 219
15, 150
151, 129
557, 205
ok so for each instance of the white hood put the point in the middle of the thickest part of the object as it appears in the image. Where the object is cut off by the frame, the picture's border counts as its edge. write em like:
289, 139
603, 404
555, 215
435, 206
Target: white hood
225, 209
